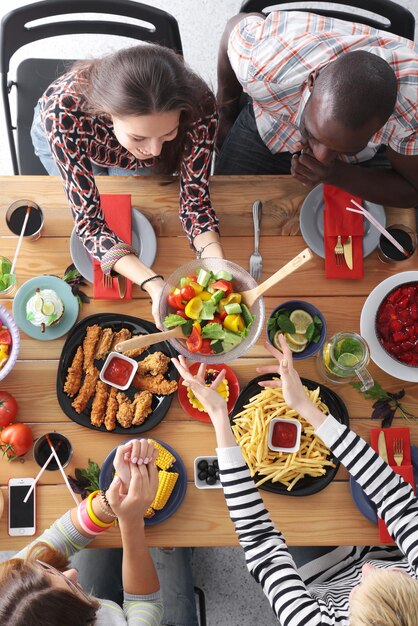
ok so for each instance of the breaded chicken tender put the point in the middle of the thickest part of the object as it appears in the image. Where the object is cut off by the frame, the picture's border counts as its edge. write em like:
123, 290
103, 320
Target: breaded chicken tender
122, 335
104, 343
89, 346
155, 384
153, 364
86, 390
111, 410
98, 408
125, 412
142, 407
74, 374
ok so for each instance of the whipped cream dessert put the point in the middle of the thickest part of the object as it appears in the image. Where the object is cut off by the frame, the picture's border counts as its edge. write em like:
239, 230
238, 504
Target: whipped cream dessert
45, 308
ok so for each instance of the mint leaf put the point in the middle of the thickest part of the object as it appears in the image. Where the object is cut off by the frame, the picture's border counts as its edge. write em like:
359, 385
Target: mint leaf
213, 331
286, 325
172, 320
310, 331
71, 275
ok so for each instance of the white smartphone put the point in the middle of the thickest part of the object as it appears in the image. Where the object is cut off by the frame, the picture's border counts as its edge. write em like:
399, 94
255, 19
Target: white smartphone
21, 514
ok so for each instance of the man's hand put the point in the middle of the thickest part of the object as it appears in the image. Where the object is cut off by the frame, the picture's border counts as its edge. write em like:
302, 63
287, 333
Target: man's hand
311, 172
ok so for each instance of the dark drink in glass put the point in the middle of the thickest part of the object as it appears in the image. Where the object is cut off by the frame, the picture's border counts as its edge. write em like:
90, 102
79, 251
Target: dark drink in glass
42, 450
404, 235
15, 216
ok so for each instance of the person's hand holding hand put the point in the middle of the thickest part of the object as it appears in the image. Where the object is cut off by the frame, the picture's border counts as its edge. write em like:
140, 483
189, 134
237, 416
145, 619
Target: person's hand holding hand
135, 451
213, 403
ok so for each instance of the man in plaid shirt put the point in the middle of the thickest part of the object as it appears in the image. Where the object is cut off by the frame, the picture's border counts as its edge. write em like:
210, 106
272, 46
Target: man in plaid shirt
324, 95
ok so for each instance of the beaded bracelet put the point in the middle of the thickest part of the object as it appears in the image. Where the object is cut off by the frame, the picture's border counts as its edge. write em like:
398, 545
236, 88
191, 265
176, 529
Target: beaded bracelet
148, 279
199, 251
93, 517
107, 508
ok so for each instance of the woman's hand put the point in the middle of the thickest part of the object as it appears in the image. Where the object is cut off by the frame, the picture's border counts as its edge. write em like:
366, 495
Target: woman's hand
135, 451
212, 401
293, 392
155, 288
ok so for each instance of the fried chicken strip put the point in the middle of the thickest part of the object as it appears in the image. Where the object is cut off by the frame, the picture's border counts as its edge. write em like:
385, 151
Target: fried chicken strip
153, 364
89, 346
104, 343
142, 407
86, 391
74, 374
122, 335
98, 408
111, 410
155, 384
125, 412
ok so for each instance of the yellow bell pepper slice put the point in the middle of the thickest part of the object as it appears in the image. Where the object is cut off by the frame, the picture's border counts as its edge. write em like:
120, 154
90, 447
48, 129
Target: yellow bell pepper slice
234, 323
196, 287
205, 295
193, 308
233, 297
198, 327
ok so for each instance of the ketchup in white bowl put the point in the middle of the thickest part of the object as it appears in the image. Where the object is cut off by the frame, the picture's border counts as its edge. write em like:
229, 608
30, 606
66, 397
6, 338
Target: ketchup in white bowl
118, 370
284, 435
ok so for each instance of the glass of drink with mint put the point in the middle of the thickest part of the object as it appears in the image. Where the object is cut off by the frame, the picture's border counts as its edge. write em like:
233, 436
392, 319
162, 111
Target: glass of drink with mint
7, 280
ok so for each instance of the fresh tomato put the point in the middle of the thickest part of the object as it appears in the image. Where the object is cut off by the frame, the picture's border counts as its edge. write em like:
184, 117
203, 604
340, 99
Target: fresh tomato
187, 292
182, 313
174, 300
8, 408
194, 341
217, 319
5, 336
206, 348
222, 285
223, 315
15, 440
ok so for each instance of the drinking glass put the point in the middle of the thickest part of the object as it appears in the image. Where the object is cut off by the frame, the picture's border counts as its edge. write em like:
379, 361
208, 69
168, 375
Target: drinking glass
7, 280
15, 216
344, 357
404, 235
63, 448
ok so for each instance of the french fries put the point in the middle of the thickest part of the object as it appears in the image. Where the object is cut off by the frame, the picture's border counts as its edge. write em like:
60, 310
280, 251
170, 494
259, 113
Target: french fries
251, 428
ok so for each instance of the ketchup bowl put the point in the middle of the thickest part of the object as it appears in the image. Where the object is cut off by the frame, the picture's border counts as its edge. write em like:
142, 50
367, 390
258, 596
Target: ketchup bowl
284, 434
118, 370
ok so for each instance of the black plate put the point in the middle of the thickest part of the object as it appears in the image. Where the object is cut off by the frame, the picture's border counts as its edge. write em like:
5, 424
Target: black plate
160, 404
309, 484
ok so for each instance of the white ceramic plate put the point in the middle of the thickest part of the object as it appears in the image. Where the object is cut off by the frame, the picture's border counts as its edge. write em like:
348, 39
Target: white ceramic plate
312, 223
368, 331
143, 240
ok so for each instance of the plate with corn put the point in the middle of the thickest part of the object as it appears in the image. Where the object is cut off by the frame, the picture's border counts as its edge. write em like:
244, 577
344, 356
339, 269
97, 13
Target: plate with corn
172, 481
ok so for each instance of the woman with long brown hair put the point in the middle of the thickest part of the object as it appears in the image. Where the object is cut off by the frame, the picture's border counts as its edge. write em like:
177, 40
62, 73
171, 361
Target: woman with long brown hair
141, 108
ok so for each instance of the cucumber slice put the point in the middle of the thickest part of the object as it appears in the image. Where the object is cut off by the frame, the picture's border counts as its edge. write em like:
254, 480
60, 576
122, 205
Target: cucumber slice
233, 309
217, 296
184, 281
246, 315
203, 277
217, 346
223, 275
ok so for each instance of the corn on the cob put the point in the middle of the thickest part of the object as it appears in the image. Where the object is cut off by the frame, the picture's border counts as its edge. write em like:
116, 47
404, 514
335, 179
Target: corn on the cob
166, 482
164, 459
149, 512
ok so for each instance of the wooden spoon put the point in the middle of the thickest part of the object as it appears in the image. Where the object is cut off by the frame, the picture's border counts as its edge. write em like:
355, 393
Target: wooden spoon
143, 341
251, 295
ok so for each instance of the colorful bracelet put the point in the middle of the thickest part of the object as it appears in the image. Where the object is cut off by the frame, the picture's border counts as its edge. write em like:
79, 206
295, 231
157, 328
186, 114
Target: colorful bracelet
148, 279
108, 510
93, 517
85, 522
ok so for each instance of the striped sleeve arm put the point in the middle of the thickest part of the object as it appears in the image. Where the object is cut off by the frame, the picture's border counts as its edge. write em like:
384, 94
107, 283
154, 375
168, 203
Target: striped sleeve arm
143, 610
394, 498
266, 553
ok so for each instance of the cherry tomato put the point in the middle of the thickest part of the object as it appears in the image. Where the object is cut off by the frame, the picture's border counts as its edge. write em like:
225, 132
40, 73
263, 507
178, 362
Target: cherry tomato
15, 440
8, 408
5, 337
223, 315
187, 293
194, 341
193, 278
182, 314
222, 285
217, 319
174, 300
206, 348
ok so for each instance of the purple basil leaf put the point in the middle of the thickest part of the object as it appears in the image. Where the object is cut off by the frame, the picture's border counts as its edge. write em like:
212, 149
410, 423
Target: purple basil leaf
75, 486
83, 297
397, 396
387, 420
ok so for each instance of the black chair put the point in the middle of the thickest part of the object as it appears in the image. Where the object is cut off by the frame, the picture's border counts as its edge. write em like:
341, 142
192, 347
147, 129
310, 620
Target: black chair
202, 606
34, 75
394, 17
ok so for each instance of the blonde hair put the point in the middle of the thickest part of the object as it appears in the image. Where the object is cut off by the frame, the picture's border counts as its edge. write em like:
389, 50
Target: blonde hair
385, 598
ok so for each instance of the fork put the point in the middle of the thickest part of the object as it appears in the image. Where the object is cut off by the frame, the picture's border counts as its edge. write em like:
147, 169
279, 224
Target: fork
339, 251
107, 281
398, 451
256, 260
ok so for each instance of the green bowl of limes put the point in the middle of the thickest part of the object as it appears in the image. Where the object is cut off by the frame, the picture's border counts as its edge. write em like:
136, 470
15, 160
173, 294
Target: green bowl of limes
7, 280
302, 325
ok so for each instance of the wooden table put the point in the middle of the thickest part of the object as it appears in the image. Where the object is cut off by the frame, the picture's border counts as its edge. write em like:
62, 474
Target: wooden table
327, 518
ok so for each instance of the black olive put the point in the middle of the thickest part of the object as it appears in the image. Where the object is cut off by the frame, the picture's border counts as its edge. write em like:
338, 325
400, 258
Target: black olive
202, 475
211, 470
215, 463
211, 480
202, 465
217, 475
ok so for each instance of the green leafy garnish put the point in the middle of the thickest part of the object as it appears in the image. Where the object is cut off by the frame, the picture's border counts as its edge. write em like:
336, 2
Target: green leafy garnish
213, 331
30, 316
86, 480
173, 320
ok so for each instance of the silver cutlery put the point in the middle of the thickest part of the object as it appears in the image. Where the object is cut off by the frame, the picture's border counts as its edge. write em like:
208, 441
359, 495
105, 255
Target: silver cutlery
256, 260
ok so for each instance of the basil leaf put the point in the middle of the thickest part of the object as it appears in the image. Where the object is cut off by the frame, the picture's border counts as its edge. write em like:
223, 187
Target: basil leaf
286, 325
310, 331
317, 321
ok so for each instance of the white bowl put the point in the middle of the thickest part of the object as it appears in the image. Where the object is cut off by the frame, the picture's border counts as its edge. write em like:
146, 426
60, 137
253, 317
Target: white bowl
111, 356
202, 484
7, 319
298, 426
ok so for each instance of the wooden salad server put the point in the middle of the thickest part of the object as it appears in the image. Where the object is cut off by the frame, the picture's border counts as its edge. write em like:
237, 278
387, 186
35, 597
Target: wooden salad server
143, 341
251, 295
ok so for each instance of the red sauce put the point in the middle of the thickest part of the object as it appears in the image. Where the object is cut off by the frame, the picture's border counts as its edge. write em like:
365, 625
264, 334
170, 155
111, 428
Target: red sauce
118, 371
284, 435
397, 324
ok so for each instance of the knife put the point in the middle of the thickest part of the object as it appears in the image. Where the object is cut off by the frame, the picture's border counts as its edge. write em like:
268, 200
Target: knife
381, 445
348, 252
122, 286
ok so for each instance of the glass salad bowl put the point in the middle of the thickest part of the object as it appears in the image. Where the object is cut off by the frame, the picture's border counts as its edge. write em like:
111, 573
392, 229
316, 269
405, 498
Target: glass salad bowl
241, 281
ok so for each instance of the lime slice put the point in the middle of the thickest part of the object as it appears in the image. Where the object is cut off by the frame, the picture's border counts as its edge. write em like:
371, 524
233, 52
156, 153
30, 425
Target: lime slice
294, 348
301, 320
347, 359
296, 339
38, 304
48, 308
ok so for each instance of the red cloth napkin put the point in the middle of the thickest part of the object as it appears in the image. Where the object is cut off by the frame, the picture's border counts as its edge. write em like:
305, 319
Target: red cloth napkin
118, 213
405, 470
338, 221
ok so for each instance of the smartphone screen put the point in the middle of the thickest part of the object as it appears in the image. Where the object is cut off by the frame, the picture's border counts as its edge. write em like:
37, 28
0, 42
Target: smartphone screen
21, 514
